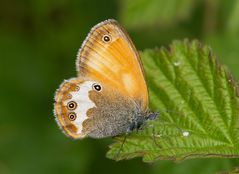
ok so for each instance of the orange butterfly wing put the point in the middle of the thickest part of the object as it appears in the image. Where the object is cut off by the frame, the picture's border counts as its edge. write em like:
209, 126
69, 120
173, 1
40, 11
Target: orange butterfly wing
109, 56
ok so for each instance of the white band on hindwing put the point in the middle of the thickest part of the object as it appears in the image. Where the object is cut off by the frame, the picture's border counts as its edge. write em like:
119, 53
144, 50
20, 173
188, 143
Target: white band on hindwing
84, 103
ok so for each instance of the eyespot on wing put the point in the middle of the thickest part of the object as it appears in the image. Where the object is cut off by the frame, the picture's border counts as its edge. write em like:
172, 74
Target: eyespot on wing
71, 105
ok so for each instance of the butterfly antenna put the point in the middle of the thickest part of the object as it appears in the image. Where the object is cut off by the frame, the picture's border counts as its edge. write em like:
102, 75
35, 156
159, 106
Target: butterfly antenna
170, 112
155, 135
121, 147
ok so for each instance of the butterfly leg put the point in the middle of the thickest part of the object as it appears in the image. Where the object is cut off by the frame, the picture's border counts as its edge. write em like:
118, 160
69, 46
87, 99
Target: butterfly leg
121, 146
153, 116
135, 125
131, 127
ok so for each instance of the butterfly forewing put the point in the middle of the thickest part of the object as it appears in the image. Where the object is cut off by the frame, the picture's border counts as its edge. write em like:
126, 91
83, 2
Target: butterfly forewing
108, 55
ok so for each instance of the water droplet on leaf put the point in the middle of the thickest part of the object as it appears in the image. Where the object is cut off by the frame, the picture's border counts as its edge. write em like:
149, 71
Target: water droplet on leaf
185, 134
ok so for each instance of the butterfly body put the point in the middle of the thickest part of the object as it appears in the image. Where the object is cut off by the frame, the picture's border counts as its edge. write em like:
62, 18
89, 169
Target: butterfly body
109, 97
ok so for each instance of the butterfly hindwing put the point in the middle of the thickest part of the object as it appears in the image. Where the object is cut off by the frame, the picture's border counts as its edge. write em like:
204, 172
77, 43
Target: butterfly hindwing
71, 105
87, 108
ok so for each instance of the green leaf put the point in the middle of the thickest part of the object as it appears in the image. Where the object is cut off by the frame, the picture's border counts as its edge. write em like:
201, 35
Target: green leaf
139, 13
202, 102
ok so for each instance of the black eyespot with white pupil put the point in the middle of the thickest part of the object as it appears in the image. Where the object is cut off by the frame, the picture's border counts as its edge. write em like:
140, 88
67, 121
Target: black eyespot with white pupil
106, 38
72, 116
71, 105
97, 87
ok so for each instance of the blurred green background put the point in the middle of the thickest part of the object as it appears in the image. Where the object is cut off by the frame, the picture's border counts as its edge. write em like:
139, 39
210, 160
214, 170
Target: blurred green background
39, 40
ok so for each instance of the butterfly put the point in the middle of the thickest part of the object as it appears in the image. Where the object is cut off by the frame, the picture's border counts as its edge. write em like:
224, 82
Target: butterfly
109, 96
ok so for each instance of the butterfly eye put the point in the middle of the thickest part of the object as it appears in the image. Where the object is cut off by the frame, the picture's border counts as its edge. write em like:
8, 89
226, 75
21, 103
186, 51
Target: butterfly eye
106, 38
71, 105
96, 87
72, 116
